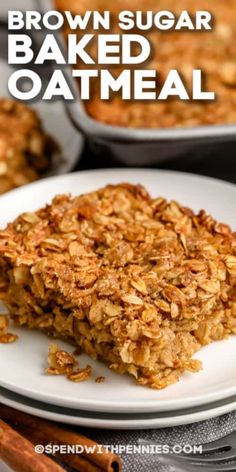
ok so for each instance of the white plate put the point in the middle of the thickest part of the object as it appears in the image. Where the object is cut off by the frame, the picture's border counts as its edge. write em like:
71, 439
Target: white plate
56, 123
117, 421
4, 467
22, 363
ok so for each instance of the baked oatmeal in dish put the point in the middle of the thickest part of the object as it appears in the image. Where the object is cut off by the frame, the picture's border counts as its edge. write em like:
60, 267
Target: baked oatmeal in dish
214, 52
137, 282
25, 149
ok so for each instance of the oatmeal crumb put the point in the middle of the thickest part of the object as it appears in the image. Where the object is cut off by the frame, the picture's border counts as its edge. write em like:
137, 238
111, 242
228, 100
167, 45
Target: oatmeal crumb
5, 337
100, 379
61, 362
80, 375
8, 338
77, 352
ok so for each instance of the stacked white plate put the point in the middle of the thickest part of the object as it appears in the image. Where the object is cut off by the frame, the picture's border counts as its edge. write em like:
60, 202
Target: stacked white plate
118, 403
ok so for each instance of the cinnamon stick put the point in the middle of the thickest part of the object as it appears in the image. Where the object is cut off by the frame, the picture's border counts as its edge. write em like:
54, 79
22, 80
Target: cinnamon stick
77, 461
19, 453
45, 432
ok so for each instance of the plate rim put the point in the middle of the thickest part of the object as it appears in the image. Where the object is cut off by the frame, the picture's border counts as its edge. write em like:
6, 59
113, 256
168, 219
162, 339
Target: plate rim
146, 170
128, 424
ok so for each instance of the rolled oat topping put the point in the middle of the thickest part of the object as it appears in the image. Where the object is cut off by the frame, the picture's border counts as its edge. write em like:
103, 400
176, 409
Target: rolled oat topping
140, 283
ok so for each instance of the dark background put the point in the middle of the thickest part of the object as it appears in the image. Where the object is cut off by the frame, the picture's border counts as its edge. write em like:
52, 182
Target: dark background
220, 164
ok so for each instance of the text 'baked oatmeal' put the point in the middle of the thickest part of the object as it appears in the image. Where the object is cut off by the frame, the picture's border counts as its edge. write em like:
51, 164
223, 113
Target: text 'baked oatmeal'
139, 283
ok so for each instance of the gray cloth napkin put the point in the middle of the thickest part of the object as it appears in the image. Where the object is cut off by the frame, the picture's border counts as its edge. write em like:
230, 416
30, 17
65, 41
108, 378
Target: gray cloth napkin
197, 433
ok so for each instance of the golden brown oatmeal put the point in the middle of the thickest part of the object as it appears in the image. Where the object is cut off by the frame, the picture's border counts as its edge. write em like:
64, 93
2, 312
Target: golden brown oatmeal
25, 149
214, 52
138, 282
